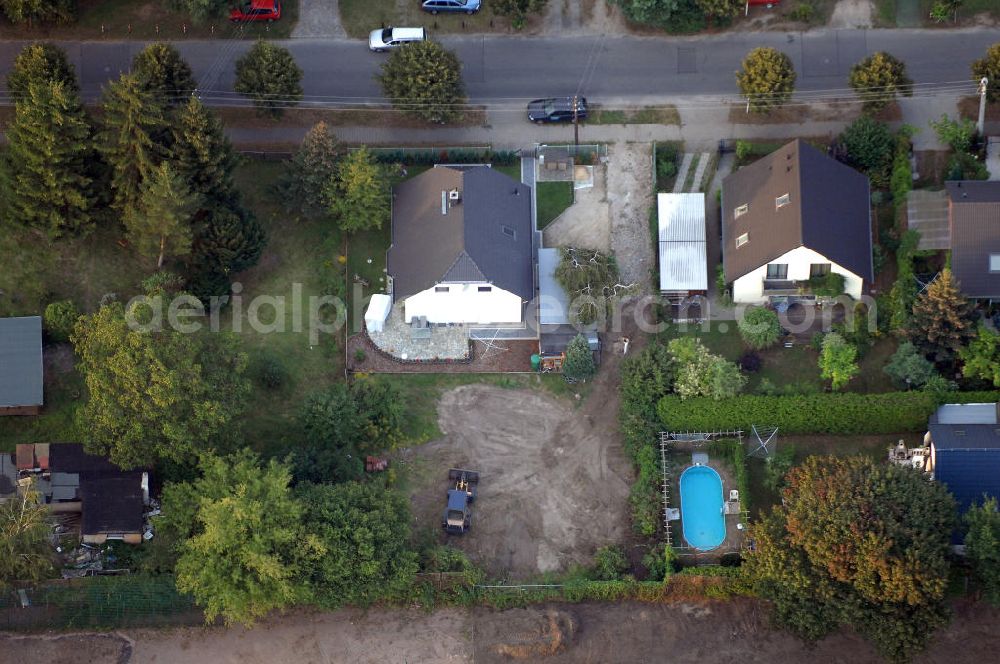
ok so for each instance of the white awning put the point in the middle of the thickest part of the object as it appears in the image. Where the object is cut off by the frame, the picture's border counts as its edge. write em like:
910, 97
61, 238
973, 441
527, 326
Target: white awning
378, 311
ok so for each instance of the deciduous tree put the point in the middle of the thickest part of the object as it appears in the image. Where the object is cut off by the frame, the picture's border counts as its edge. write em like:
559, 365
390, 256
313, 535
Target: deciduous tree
269, 75
590, 279
46, 185
767, 79
312, 170
25, 550
163, 73
159, 394
41, 63
359, 195
579, 363
859, 543
989, 67
424, 79
942, 321
870, 147
518, 10
161, 222
31, 12
247, 553
981, 358
699, 373
133, 138
878, 79
838, 360
982, 547
721, 8
364, 531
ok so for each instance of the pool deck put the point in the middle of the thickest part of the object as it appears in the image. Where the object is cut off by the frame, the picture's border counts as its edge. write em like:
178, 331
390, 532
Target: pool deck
679, 462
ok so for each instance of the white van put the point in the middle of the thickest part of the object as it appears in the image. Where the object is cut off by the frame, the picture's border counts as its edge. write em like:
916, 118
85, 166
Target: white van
386, 38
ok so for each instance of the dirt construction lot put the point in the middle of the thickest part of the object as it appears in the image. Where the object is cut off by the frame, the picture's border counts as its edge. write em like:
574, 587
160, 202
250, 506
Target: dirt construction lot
554, 480
679, 633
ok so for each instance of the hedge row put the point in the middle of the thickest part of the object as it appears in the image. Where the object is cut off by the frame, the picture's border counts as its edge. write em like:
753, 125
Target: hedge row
834, 413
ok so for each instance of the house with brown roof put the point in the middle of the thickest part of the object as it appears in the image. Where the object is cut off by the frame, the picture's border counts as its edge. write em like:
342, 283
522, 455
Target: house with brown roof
974, 236
794, 215
461, 247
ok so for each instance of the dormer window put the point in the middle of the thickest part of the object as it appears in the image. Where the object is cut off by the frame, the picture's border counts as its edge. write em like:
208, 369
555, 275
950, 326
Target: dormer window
742, 239
782, 201
740, 211
994, 262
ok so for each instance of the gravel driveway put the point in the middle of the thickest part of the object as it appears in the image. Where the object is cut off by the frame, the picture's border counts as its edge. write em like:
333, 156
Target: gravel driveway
318, 18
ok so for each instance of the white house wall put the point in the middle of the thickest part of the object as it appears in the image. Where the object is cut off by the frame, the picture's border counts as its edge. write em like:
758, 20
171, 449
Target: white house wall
464, 303
749, 289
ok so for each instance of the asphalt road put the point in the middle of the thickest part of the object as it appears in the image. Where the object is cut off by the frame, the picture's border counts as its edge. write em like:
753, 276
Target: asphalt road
635, 69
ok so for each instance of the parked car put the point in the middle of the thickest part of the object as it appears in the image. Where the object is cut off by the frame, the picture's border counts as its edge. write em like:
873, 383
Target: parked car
256, 10
453, 6
556, 109
386, 38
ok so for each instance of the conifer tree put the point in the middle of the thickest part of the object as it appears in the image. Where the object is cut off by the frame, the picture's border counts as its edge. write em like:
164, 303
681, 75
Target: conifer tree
202, 154
359, 194
269, 75
942, 321
162, 221
46, 185
579, 364
41, 63
229, 240
162, 72
132, 140
312, 169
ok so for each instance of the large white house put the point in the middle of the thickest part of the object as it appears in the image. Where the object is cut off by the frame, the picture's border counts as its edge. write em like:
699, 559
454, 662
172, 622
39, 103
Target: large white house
461, 247
793, 216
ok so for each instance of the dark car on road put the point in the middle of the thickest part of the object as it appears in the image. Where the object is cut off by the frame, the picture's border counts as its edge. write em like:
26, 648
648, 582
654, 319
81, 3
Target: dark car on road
557, 109
446, 6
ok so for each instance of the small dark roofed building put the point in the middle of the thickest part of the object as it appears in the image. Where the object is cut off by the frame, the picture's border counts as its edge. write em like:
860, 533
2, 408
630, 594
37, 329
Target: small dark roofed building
974, 223
21, 372
791, 216
964, 442
461, 246
109, 500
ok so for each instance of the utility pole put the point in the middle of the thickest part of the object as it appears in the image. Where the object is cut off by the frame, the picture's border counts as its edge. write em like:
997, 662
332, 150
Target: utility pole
980, 126
576, 120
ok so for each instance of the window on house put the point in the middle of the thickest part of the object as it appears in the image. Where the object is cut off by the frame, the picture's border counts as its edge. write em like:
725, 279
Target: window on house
440, 289
743, 239
994, 262
508, 231
782, 201
777, 271
819, 270
740, 211
485, 289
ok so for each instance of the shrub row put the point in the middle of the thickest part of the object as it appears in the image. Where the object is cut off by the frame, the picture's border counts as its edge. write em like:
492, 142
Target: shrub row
847, 413
452, 156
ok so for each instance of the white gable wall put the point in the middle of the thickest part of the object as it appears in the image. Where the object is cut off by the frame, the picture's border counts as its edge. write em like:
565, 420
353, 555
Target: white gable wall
464, 303
749, 289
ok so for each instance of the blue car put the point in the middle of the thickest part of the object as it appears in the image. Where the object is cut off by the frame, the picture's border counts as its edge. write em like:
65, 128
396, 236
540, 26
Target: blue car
450, 6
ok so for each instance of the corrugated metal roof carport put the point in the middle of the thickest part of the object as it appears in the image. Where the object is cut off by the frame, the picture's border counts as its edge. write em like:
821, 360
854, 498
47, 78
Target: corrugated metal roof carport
927, 213
683, 252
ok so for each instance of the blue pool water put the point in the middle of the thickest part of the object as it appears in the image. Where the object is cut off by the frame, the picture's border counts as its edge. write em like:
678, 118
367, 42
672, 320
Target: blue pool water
701, 508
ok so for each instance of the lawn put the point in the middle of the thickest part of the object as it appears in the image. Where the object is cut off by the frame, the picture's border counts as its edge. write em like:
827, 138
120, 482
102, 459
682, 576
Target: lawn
659, 115
148, 20
552, 198
360, 17
302, 255
57, 423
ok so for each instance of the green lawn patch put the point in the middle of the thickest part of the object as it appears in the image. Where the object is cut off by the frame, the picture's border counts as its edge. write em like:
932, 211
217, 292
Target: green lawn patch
152, 20
660, 115
57, 423
552, 199
360, 17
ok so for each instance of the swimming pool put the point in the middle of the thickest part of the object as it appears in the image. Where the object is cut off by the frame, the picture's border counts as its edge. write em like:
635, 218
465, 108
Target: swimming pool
701, 508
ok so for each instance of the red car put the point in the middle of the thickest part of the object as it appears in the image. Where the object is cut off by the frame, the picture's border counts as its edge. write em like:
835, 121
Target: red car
256, 10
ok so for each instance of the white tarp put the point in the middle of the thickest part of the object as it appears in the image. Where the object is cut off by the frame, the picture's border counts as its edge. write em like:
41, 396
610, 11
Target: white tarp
378, 311
683, 254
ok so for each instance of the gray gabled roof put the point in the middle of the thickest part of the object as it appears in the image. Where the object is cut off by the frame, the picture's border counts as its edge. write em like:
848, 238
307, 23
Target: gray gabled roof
828, 211
484, 237
21, 362
974, 216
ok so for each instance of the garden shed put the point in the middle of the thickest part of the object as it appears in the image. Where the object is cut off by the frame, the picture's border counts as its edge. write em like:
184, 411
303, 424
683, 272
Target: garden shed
21, 372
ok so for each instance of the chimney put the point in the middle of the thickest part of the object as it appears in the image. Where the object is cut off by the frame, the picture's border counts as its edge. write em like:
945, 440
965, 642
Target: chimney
455, 196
